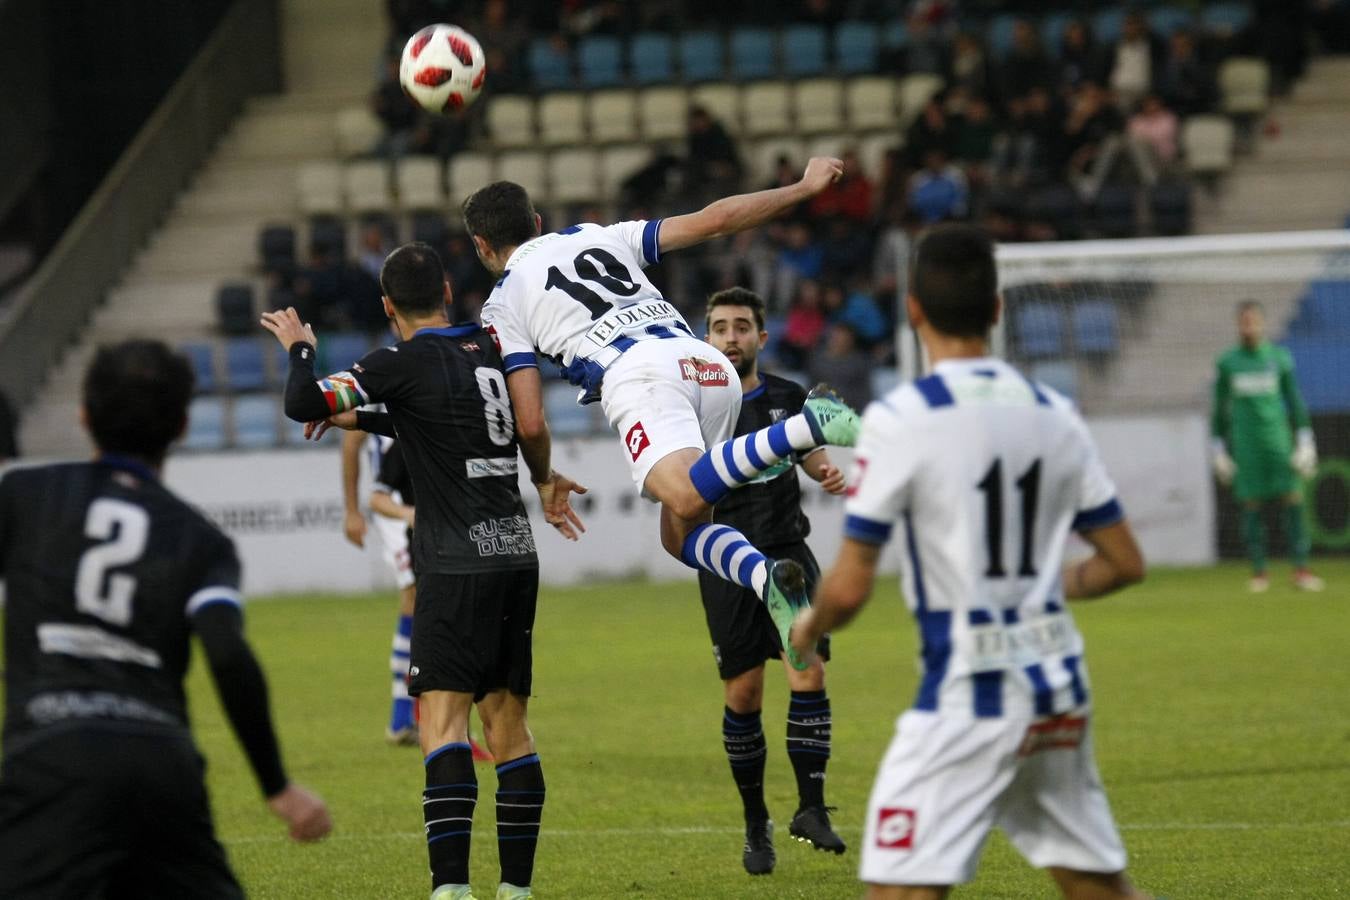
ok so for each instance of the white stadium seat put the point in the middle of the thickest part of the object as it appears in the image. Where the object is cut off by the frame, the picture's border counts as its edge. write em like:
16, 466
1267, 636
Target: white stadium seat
871, 103
1207, 142
915, 92
662, 112
613, 116
764, 157
723, 101
562, 119
318, 186
618, 162
358, 130
819, 104
469, 172
574, 175
1245, 84
525, 168
365, 184
510, 121
872, 151
767, 106
420, 183
829, 145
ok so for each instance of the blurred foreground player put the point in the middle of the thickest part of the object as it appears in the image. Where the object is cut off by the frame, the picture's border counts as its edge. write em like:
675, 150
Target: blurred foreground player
768, 511
473, 551
988, 472
1256, 451
107, 576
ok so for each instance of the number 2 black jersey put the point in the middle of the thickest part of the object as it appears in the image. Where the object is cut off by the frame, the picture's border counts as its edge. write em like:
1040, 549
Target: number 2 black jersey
447, 399
104, 569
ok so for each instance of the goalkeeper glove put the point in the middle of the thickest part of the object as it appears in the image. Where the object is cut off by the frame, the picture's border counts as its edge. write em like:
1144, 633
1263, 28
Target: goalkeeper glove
1224, 467
1304, 457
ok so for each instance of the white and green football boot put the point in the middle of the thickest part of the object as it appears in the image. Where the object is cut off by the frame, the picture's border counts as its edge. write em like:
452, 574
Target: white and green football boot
785, 596
832, 420
453, 892
511, 892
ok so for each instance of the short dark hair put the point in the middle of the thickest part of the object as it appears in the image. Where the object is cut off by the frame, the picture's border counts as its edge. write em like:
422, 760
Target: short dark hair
736, 296
500, 214
954, 280
136, 397
1248, 304
413, 280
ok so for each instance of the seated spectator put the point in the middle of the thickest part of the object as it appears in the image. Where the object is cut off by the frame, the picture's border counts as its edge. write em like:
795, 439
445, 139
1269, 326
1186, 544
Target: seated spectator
1027, 66
849, 197
969, 66
844, 365
372, 248
975, 133
1092, 121
1136, 61
938, 191
857, 309
1186, 84
930, 131
1154, 127
713, 167
1080, 58
503, 39
802, 256
804, 325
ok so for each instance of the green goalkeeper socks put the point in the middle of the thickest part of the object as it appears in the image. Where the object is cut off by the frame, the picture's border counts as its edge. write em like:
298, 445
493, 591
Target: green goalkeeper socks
1296, 530
1254, 535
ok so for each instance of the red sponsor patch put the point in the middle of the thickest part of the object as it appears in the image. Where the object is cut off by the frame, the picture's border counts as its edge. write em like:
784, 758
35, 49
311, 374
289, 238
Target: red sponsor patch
492, 331
895, 828
1059, 733
855, 480
636, 440
707, 374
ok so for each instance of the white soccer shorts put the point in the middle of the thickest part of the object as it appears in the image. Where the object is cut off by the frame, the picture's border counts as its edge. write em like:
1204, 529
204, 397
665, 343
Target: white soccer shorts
946, 780
664, 395
394, 544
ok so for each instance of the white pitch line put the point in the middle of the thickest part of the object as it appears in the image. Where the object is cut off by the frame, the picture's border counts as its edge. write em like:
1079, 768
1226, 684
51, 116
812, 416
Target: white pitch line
848, 829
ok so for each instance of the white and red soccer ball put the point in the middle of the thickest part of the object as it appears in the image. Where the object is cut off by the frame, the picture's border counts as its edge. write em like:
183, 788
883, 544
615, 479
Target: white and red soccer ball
442, 69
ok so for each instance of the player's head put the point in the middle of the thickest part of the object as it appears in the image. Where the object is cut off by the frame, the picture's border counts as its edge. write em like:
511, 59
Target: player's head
953, 285
1251, 318
735, 325
499, 217
413, 282
136, 397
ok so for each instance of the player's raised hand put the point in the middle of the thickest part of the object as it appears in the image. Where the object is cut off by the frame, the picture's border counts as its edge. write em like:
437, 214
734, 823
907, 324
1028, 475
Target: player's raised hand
302, 810
821, 172
554, 495
286, 325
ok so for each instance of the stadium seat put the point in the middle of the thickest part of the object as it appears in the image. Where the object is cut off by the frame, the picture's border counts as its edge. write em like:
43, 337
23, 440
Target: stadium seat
1057, 374
468, 172
365, 184
723, 101
429, 227
856, 47
870, 101
276, 248
1224, 20
651, 58
619, 162
1244, 82
600, 60
1052, 31
1320, 364
1115, 214
550, 68
613, 116
819, 104
206, 424
1038, 329
752, 54
872, 151
574, 175
1057, 205
998, 34
1096, 327
234, 309
338, 351
804, 51
1164, 20
562, 118
895, 35
1326, 309
828, 145
202, 357
1207, 142
1108, 24
662, 113
245, 365
255, 421
525, 168
510, 121
700, 55
915, 91
767, 106
318, 187
566, 418
328, 237
358, 131
1170, 204
420, 182
763, 160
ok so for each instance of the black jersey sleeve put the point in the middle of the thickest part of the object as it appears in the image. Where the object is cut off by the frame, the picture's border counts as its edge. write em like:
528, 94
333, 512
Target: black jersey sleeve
393, 474
375, 423
374, 379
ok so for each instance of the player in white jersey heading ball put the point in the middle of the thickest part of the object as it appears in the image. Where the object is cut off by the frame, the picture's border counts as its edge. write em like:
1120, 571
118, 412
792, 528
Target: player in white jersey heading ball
987, 472
579, 297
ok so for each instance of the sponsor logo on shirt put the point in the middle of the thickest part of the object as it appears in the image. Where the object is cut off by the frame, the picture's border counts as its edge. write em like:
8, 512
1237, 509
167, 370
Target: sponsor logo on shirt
507, 536
778, 415
491, 468
636, 440
895, 828
639, 315
707, 374
1255, 384
469, 347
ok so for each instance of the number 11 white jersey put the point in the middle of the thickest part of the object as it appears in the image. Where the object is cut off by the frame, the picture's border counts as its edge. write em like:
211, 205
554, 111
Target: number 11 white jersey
579, 297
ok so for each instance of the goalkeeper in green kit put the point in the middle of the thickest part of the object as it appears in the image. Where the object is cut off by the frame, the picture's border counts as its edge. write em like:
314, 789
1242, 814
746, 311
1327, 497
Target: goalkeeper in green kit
1255, 449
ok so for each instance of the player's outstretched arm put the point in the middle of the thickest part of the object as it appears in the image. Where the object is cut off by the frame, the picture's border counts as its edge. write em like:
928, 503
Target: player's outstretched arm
354, 523
383, 504
526, 389
843, 591
742, 212
1117, 563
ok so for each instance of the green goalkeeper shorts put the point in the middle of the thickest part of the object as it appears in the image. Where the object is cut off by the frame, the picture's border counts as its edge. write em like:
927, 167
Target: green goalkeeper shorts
1264, 476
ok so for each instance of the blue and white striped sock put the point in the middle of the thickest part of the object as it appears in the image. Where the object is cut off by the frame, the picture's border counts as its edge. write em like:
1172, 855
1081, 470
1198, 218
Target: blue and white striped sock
401, 714
732, 463
725, 552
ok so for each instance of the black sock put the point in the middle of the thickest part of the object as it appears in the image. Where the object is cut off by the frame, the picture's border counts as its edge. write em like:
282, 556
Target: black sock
743, 738
447, 805
808, 744
520, 807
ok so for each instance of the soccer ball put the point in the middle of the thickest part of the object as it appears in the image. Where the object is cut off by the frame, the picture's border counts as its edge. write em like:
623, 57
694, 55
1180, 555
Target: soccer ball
442, 68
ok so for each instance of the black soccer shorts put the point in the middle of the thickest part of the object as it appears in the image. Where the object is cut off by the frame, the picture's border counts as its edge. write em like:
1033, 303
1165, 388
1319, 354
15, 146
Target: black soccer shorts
98, 812
742, 631
473, 633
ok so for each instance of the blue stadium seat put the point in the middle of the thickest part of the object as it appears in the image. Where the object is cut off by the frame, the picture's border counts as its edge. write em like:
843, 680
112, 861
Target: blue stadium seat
752, 54
1320, 364
549, 66
1057, 374
276, 247
1052, 31
328, 237
1096, 327
1107, 25
203, 360
600, 58
999, 34
1115, 212
255, 421
1325, 309
855, 47
700, 56
337, 352
1165, 20
895, 35
206, 424
234, 309
1039, 330
245, 366
566, 418
804, 51
1225, 18
651, 58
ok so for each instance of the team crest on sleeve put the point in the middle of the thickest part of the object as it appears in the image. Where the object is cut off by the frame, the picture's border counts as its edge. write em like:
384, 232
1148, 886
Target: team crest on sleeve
342, 392
492, 332
895, 828
707, 374
637, 440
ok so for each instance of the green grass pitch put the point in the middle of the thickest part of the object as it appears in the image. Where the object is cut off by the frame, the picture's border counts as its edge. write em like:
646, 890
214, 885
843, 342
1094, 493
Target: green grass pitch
1223, 735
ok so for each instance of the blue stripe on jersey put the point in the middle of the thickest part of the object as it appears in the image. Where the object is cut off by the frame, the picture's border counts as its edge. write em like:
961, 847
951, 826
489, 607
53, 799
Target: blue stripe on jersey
1010, 616
461, 330
866, 530
756, 391
1044, 696
1053, 606
570, 229
623, 343
988, 690
1109, 513
660, 331
1041, 399
685, 328
651, 245
513, 361
934, 391
980, 617
935, 630
1075, 680
501, 281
